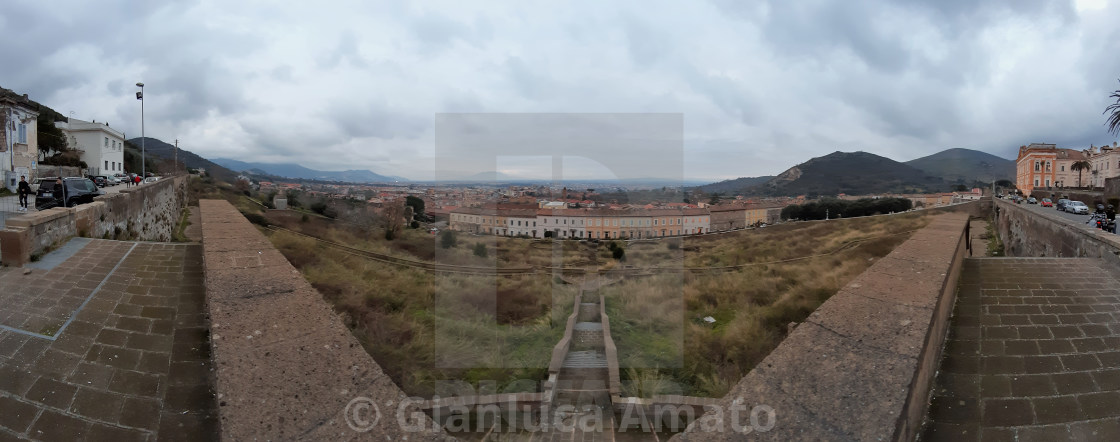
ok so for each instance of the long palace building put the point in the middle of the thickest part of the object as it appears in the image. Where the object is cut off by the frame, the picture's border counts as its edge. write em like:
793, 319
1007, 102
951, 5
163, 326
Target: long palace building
603, 223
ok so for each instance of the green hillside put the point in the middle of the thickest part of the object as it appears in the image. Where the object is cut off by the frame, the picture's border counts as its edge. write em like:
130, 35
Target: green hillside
965, 166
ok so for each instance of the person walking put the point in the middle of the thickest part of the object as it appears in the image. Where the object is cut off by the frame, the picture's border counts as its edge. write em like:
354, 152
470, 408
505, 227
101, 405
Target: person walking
137, 180
24, 189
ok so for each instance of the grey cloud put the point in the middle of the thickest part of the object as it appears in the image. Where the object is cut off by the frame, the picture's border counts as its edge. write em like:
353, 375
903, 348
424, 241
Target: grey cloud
435, 32
346, 50
376, 120
645, 44
762, 86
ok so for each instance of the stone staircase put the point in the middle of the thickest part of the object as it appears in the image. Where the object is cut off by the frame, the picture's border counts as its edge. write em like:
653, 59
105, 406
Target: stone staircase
583, 378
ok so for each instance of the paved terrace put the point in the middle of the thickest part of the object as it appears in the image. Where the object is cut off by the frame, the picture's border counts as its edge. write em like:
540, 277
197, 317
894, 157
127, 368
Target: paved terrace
1033, 353
106, 340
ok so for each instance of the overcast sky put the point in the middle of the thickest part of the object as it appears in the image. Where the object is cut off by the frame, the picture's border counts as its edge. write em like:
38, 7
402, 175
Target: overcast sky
761, 86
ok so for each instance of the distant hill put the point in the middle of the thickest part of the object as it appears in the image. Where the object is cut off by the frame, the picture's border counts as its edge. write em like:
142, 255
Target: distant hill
853, 173
737, 185
965, 166
158, 148
296, 171
489, 177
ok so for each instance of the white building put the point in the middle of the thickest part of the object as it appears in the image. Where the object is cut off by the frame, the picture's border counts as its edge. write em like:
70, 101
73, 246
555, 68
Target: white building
563, 223
102, 147
1106, 164
521, 222
19, 142
696, 221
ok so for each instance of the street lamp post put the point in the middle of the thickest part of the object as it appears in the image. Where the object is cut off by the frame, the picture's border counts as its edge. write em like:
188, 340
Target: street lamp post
143, 154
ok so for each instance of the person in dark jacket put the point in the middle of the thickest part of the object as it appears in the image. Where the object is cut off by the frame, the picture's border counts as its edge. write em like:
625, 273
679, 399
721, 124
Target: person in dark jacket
59, 193
23, 190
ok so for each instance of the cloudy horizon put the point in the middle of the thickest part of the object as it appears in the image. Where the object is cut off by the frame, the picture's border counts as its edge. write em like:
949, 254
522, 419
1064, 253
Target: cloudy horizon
761, 87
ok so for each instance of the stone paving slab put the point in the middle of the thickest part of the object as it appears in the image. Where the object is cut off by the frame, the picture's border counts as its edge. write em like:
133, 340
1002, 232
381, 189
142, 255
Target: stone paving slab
43, 304
1033, 353
134, 362
56, 257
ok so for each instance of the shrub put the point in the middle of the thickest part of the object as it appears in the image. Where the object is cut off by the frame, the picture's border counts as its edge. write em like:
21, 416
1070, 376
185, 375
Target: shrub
447, 239
319, 207
480, 250
304, 218
414, 224
256, 218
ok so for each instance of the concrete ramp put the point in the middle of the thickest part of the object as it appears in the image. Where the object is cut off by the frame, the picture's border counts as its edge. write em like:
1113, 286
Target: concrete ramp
287, 368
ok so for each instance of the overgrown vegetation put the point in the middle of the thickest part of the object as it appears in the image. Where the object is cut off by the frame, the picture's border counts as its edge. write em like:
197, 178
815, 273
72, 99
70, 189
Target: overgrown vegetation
995, 244
658, 322
412, 329
178, 235
414, 322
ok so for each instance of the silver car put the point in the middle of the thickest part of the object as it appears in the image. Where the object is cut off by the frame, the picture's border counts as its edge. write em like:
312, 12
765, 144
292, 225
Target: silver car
1077, 207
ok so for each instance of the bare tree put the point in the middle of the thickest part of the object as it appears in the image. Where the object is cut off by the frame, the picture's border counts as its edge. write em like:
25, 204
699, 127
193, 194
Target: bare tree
393, 216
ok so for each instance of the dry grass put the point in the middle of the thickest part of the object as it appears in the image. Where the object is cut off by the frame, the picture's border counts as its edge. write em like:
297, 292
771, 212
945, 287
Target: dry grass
422, 329
657, 322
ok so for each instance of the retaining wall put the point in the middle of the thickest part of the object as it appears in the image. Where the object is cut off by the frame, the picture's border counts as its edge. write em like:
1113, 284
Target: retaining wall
1029, 233
862, 365
148, 212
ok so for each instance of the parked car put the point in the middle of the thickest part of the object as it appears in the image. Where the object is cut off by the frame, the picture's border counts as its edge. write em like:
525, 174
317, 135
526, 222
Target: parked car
41, 180
1077, 207
99, 180
1061, 206
151, 179
77, 191
1032, 200
113, 180
1047, 203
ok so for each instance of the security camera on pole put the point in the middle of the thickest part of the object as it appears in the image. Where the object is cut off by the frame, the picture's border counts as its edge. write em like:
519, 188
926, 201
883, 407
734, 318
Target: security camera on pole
140, 96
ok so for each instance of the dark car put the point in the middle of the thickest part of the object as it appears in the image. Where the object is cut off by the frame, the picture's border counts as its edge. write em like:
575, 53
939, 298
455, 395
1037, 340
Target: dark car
75, 191
100, 181
1061, 205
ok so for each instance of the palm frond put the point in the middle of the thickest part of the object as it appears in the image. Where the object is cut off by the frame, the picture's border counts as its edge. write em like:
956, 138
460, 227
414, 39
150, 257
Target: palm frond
1113, 121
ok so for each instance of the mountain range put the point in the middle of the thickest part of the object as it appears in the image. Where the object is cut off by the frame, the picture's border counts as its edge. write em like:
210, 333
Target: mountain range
296, 171
861, 173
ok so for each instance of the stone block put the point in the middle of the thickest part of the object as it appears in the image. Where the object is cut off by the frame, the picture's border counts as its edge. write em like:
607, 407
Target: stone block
15, 246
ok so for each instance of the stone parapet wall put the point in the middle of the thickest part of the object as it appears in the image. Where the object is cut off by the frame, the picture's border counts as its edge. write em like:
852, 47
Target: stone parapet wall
286, 367
862, 365
609, 350
1029, 233
149, 212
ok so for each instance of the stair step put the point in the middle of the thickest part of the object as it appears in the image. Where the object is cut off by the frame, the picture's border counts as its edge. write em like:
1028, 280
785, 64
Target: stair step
585, 359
